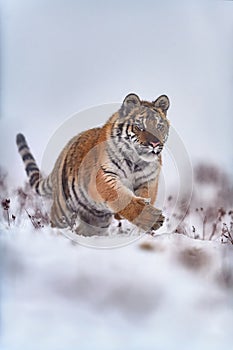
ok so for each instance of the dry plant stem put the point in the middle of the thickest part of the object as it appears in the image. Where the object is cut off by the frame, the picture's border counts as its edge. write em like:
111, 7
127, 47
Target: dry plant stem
213, 230
13, 217
8, 217
204, 221
226, 233
6, 206
31, 219
221, 213
195, 236
204, 227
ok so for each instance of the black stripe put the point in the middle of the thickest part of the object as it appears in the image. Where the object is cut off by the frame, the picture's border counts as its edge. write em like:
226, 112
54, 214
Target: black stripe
119, 149
32, 163
83, 196
127, 128
31, 167
118, 166
48, 184
145, 177
119, 129
23, 147
65, 186
27, 156
108, 171
88, 209
129, 163
104, 226
110, 180
137, 168
37, 188
112, 151
63, 213
33, 178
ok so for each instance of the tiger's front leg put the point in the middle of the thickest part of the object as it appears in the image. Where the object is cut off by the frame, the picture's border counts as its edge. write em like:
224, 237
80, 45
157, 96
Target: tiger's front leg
148, 190
124, 202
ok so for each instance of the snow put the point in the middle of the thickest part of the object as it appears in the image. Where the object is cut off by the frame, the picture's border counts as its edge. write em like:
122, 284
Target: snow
162, 292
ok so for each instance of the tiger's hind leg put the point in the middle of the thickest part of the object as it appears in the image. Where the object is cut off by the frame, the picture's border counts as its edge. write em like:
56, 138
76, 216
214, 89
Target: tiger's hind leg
94, 227
57, 218
86, 230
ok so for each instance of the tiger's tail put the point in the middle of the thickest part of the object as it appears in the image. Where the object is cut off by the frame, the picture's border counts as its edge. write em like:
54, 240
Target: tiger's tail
42, 186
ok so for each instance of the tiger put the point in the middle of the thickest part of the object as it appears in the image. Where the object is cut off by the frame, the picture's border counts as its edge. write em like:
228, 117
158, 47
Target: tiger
107, 172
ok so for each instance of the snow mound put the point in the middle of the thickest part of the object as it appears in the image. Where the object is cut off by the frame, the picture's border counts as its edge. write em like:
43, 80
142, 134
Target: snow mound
162, 292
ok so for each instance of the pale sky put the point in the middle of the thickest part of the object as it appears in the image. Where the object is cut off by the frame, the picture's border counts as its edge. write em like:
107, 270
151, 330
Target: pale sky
60, 57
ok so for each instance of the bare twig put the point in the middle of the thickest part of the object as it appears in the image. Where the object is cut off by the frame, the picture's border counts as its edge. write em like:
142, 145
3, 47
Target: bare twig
6, 207
221, 213
34, 223
226, 233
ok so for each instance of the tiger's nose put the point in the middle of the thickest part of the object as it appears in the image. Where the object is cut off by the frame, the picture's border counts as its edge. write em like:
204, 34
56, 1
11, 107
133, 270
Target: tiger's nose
155, 144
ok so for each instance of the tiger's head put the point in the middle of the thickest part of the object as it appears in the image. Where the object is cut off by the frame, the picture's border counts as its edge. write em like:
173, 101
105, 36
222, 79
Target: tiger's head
145, 125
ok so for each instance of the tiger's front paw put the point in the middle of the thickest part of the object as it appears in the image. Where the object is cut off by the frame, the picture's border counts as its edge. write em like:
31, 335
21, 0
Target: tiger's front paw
159, 223
150, 219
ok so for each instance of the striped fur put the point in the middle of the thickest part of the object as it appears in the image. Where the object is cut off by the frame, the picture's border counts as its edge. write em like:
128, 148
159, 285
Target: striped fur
41, 186
107, 171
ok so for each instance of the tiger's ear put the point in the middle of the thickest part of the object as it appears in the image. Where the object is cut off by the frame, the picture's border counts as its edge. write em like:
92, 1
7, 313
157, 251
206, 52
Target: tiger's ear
131, 100
163, 103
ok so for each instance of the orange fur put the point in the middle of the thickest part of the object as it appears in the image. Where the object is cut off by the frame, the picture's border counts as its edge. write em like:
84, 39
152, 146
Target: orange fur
84, 164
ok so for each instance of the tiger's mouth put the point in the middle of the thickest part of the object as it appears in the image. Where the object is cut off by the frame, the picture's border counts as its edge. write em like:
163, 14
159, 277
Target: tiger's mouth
157, 150
149, 152
153, 147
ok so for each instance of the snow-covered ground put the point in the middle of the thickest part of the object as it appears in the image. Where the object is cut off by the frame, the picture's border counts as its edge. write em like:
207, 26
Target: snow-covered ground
162, 292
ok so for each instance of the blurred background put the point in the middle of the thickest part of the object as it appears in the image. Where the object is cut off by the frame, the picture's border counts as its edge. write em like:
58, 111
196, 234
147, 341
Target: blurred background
60, 57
